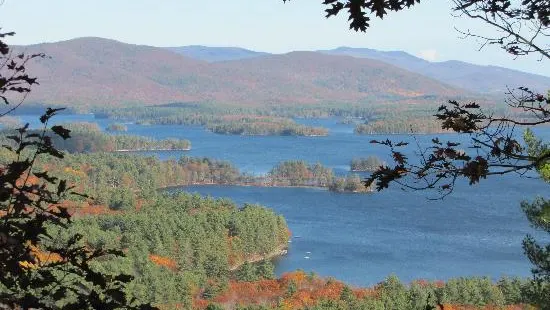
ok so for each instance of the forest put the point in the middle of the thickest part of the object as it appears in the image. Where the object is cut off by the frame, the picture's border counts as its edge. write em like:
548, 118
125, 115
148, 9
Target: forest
387, 118
302, 290
187, 251
181, 246
300, 173
88, 138
400, 126
264, 125
370, 163
220, 120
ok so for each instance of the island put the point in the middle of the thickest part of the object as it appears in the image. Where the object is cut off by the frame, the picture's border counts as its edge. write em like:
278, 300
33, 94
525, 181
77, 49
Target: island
371, 163
400, 126
117, 127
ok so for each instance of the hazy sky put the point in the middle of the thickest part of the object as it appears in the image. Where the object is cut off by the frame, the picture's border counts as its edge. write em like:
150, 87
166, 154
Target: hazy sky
427, 30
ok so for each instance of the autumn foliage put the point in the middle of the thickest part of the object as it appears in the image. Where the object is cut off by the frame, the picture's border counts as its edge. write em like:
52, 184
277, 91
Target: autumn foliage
309, 290
301, 290
164, 262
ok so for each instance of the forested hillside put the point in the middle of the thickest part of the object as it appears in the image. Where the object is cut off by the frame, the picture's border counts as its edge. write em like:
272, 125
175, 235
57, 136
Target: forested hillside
181, 246
99, 72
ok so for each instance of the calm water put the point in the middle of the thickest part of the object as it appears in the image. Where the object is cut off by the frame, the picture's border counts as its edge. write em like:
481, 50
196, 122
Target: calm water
363, 238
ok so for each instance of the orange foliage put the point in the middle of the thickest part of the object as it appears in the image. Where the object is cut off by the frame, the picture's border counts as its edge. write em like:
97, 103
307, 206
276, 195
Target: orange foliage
263, 292
298, 277
200, 304
31, 180
164, 262
309, 291
40, 258
270, 292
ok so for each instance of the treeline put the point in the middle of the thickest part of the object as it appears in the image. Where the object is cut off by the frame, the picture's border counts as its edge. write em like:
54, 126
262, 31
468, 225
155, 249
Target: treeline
191, 113
400, 126
178, 246
181, 246
299, 290
88, 138
248, 125
300, 173
371, 163
388, 118
119, 180
218, 120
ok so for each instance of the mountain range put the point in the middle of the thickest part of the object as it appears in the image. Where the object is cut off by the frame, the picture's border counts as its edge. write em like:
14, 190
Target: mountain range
476, 78
96, 71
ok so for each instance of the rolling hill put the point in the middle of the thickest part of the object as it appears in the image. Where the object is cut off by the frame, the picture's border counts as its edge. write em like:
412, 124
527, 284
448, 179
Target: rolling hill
95, 71
476, 78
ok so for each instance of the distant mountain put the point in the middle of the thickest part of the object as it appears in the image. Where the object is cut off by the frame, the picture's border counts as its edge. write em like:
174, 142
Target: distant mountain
95, 71
305, 77
214, 54
482, 79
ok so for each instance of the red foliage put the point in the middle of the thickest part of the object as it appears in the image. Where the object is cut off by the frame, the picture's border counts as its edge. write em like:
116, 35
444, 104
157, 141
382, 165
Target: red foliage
164, 262
309, 291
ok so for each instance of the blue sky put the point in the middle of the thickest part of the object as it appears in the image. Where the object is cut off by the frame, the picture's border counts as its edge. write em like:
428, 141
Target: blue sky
264, 25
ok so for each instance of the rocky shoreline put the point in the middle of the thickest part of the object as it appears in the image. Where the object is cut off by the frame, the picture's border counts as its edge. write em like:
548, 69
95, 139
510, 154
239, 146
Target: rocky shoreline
279, 251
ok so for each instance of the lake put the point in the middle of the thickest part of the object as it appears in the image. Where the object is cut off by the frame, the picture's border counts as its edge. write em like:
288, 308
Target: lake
362, 238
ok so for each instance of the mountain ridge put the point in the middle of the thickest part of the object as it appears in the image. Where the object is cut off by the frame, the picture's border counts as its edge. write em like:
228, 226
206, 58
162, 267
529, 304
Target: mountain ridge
96, 71
487, 79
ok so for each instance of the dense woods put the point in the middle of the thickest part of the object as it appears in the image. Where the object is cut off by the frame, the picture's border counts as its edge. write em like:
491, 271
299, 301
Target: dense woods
300, 173
191, 113
187, 251
180, 246
230, 121
301, 290
400, 126
257, 125
88, 138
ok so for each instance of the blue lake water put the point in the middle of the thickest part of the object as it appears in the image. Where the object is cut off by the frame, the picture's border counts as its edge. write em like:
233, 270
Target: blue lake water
362, 238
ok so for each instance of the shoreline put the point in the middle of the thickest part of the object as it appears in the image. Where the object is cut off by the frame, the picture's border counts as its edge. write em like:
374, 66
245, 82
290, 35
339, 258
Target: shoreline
281, 250
244, 185
267, 186
152, 150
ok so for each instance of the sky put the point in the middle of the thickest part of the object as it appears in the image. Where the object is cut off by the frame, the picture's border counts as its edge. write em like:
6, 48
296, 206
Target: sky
427, 30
